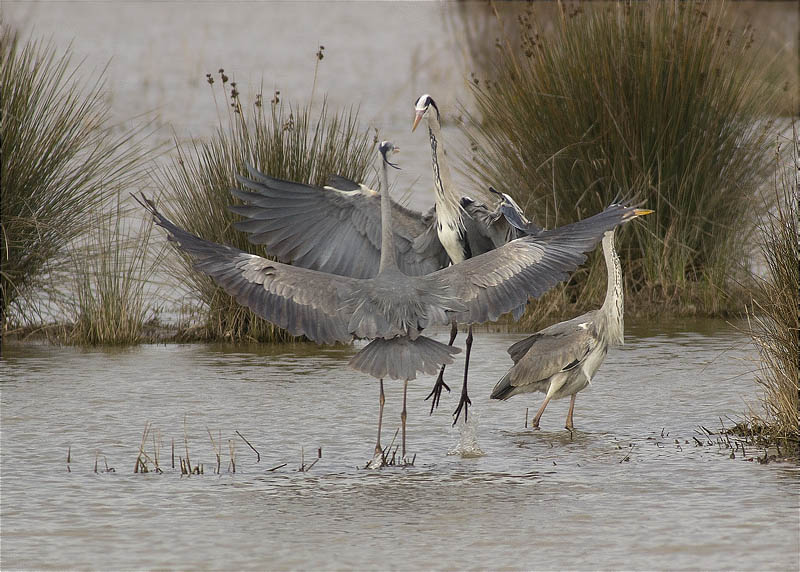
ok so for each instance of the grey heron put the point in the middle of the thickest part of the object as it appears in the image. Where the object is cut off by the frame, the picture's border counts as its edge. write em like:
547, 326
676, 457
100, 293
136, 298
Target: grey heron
465, 228
561, 360
392, 309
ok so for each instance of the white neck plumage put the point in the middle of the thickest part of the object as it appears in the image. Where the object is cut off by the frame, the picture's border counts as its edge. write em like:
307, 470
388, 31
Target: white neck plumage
448, 204
613, 309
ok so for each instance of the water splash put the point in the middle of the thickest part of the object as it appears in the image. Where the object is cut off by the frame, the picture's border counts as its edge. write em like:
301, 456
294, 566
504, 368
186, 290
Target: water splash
467, 446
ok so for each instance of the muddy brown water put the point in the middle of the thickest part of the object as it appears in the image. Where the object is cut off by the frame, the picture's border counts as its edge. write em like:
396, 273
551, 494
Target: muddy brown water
619, 493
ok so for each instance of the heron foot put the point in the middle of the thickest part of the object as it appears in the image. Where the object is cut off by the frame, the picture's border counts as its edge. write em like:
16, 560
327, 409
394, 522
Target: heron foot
436, 392
464, 404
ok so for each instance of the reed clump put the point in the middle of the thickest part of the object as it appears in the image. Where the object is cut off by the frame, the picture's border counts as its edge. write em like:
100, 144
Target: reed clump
662, 100
113, 280
774, 322
289, 141
59, 160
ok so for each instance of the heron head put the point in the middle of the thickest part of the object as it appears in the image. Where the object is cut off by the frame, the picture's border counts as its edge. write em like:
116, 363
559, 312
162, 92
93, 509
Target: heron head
387, 148
421, 107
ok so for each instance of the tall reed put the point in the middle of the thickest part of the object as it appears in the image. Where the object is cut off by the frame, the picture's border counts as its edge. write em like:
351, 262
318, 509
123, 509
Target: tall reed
286, 141
660, 99
774, 317
113, 288
59, 159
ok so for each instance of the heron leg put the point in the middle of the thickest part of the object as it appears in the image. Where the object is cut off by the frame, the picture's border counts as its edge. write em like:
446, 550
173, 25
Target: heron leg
404, 415
436, 392
535, 422
378, 449
569, 424
465, 401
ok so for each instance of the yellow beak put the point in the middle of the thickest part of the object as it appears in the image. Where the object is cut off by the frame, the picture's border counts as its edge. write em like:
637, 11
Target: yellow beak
642, 212
417, 119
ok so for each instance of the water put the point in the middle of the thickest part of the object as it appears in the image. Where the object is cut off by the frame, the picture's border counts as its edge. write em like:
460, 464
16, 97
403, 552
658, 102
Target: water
619, 493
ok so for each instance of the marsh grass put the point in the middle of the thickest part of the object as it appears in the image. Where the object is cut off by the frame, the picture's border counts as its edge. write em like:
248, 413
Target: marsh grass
288, 141
61, 158
662, 100
774, 322
113, 267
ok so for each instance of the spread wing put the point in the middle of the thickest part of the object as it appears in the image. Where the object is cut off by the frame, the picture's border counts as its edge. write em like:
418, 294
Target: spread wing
501, 280
302, 301
563, 347
336, 229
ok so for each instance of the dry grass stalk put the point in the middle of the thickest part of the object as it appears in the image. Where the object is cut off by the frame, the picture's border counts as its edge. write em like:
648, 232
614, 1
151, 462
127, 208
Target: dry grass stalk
113, 267
303, 467
258, 455
774, 317
232, 449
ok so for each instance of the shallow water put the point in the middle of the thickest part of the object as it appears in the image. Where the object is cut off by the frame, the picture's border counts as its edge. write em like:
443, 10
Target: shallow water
619, 493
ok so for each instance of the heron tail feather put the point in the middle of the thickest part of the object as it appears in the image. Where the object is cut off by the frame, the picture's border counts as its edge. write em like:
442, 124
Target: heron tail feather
503, 389
402, 357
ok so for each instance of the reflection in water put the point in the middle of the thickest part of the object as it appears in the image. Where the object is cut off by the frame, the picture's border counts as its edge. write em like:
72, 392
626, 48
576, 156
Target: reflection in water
630, 482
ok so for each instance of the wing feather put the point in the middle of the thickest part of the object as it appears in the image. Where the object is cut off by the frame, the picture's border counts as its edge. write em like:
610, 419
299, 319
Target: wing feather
502, 280
547, 354
302, 301
334, 229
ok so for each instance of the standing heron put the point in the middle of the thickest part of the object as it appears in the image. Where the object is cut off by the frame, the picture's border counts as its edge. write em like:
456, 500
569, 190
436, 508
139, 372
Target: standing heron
392, 309
562, 359
465, 229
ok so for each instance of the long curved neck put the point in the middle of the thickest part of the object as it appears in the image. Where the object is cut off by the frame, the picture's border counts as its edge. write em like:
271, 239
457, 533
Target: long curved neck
613, 307
387, 238
448, 203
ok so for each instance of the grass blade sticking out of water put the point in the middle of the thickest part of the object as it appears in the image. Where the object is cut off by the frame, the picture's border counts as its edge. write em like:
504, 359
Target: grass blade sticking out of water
286, 141
60, 159
667, 99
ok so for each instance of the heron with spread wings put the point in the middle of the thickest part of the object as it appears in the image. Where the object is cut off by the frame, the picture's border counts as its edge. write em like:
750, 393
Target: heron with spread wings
393, 308
337, 229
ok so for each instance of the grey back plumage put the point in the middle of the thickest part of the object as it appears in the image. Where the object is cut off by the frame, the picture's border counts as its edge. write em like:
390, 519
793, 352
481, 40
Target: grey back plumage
573, 349
557, 348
